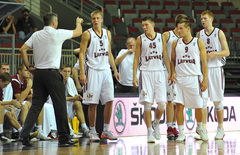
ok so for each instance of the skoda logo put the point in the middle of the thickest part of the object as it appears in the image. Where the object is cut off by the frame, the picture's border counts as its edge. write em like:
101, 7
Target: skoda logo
119, 116
189, 118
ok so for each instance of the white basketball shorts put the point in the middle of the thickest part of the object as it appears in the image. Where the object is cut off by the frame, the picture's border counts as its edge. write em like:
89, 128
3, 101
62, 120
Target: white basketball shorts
99, 87
152, 85
216, 83
188, 91
169, 88
71, 112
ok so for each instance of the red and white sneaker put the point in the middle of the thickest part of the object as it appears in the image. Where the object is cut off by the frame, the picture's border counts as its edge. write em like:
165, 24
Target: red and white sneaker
170, 134
53, 136
108, 135
220, 134
93, 137
175, 132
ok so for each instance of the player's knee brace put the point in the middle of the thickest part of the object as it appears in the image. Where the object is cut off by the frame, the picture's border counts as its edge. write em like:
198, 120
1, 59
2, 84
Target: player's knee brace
205, 103
218, 105
161, 106
147, 106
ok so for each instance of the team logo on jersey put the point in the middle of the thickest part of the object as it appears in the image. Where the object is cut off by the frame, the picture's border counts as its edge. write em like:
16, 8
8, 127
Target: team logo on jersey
119, 116
174, 95
105, 37
144, 93
194, 44
215, 35
90, 95
159, 40
189, 118
168, 94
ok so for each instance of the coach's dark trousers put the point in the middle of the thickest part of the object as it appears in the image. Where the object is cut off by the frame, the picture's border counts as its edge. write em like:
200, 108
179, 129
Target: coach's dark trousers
48, 82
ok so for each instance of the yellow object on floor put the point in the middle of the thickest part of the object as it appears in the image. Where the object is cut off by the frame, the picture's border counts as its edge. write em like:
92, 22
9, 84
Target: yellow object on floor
75, 124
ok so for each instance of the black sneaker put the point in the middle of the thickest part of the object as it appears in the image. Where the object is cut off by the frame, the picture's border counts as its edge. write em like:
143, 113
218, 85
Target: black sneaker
15, 135
4, 139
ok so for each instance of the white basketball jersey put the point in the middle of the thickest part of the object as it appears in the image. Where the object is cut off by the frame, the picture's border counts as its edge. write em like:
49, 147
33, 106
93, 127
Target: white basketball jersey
187, 58
151, 53
172, 37
97, 51
213, 44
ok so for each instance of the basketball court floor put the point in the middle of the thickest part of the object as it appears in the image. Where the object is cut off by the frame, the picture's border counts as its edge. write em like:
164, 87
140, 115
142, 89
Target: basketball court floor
133, 146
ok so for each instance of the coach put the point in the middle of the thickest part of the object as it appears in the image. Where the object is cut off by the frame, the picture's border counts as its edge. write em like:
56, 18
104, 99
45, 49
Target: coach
46, 45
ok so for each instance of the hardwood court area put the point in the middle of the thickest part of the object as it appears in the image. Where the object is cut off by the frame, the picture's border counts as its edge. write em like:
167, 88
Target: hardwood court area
132, 146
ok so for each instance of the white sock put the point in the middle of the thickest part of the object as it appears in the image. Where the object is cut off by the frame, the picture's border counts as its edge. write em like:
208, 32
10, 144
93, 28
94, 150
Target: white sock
106, 127
1, 128
220, 125
169, 124
204, 125
181, 128
20, 129
174, 124
199, 125
84, 125
54, 133
14, 130
93, 129
149, 130
39, 127
70, 127
157, 121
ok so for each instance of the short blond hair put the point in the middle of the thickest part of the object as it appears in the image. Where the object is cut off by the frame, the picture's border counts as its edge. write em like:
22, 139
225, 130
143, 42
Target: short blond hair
207, 12
97, 12
187, 23
180, 17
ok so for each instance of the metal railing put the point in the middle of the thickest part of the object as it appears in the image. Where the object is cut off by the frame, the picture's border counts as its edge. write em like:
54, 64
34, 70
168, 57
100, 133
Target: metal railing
38, 7
11, 60
45, 7
12, 55
82, 5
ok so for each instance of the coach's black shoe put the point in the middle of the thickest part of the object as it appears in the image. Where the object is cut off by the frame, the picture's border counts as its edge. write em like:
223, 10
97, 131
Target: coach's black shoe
67, 143
26, 142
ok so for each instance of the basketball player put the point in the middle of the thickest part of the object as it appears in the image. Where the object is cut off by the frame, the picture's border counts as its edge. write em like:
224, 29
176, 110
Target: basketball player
75, 71
97, 77
152, 84
170, 36
22, 91
74, 105
188, 56
217, 50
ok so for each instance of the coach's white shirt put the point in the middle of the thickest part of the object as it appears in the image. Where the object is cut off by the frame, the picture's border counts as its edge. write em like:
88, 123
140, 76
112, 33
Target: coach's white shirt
47, 46
126, 68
